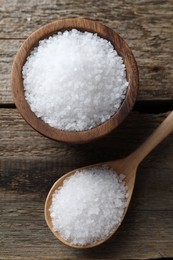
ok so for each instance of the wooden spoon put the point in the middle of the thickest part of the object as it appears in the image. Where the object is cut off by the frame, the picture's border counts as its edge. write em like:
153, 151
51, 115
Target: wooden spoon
127, 166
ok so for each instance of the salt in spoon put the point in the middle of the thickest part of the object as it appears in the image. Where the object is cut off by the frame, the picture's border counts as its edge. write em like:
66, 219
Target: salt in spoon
126, 166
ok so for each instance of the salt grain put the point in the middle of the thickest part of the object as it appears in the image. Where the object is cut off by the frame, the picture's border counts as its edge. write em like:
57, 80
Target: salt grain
88, 205
74, 81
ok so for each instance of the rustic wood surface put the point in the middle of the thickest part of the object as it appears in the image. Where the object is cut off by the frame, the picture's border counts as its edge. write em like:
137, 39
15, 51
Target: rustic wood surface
145, 25
30, 163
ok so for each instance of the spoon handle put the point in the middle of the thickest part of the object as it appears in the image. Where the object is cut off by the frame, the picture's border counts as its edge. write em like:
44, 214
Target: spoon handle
161, 132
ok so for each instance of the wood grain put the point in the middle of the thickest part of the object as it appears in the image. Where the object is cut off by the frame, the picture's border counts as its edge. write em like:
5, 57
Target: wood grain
146, 26
29, 165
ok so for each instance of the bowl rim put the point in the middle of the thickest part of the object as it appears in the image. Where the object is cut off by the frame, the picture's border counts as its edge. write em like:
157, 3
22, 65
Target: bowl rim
82, 25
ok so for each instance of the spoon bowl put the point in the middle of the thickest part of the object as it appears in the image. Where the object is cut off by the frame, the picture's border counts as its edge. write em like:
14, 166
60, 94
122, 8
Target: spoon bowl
82, 25
127, 166
119, 167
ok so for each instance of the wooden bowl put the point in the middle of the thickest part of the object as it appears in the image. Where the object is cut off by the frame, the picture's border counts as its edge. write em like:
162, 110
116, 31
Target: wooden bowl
82, 25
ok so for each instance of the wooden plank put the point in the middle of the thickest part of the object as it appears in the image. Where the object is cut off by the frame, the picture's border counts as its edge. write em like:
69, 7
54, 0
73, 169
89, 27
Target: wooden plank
147, 28
8, 48
20, 141
140, 18
30, 163
144, 234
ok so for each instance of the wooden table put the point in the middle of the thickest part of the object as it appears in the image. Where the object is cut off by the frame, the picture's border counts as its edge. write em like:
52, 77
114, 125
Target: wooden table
30, 163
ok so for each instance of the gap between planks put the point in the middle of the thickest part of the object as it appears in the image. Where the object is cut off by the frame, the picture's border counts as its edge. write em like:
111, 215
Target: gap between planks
142, 106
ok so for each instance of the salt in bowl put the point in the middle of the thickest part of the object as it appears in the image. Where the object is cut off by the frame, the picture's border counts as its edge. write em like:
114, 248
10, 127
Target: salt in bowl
82, 25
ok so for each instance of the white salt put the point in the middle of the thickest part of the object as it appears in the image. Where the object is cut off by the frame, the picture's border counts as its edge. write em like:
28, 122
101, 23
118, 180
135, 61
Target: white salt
74, 81
88, 205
